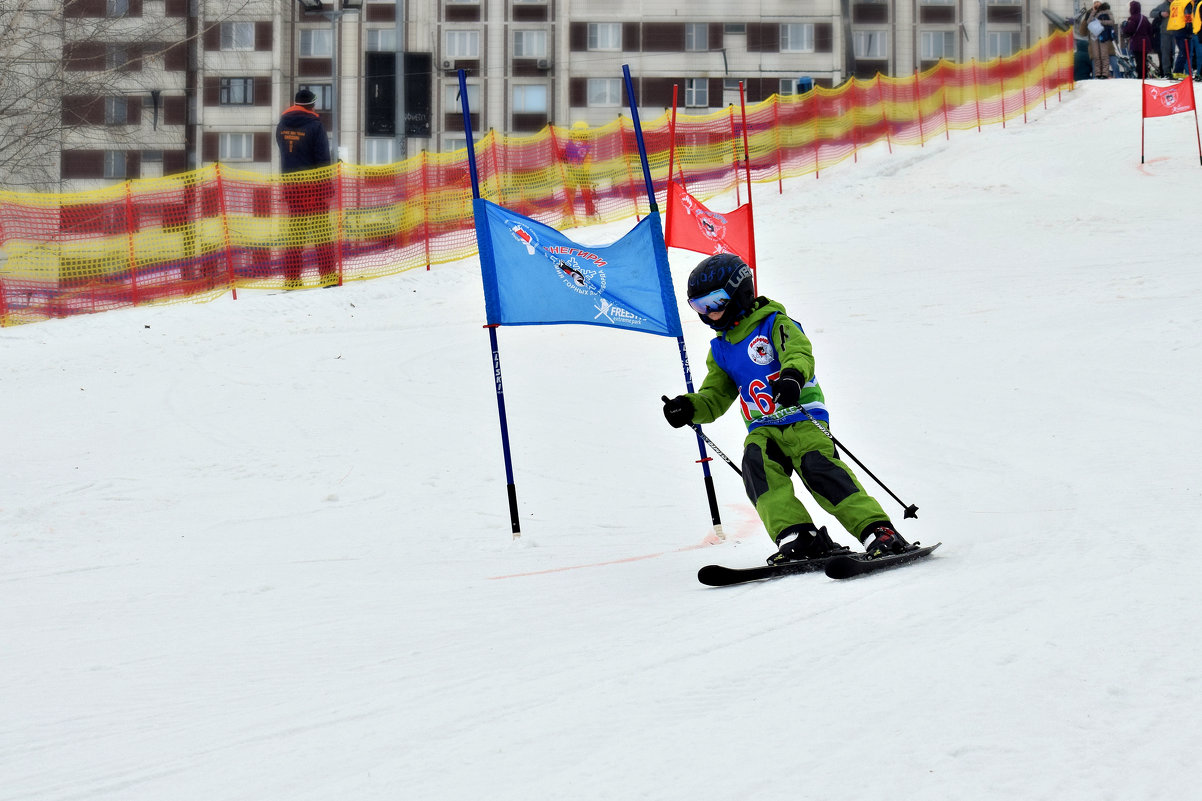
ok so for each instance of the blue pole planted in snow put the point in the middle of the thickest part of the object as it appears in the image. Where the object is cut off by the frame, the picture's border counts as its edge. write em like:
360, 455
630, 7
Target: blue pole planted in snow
492, 329
638, 137
704, 459
465, 110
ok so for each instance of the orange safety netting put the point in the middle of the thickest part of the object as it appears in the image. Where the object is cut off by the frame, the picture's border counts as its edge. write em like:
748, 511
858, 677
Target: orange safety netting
203, 233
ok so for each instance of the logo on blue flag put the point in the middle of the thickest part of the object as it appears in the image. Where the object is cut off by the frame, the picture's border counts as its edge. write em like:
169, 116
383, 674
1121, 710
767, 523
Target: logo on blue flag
534, 275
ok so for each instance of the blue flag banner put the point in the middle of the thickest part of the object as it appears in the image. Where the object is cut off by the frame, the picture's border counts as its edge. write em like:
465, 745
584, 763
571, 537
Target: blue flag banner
534, 275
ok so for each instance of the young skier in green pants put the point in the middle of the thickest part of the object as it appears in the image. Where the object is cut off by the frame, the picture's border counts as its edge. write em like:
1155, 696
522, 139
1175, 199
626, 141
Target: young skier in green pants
763, 359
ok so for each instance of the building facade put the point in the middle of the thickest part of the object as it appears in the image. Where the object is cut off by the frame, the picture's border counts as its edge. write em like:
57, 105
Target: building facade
158, 87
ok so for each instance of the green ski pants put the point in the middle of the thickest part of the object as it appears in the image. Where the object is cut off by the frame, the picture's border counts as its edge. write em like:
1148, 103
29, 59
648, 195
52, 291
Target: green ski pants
772, 453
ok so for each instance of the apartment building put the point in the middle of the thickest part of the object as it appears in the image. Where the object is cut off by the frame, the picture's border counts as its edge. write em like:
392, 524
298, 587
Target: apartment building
157, 87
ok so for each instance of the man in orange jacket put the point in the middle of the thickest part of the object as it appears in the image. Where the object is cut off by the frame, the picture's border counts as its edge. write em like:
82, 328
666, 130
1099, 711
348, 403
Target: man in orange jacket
304, 146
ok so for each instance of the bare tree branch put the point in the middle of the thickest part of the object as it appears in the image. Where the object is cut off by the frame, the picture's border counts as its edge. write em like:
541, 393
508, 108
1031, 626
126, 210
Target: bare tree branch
48, 53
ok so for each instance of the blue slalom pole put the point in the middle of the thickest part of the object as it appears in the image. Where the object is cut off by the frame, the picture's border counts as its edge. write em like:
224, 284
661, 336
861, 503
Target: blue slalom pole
704, 459
511, 488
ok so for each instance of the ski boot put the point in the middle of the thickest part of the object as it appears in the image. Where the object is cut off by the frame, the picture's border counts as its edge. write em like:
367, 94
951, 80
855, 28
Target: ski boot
881, 539
804, 541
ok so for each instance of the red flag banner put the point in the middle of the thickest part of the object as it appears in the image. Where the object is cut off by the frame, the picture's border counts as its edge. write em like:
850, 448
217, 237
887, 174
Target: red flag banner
694, 227
1161, 101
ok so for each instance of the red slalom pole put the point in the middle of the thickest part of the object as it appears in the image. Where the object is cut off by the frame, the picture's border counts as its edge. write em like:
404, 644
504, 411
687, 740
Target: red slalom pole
1143, 114
755, 273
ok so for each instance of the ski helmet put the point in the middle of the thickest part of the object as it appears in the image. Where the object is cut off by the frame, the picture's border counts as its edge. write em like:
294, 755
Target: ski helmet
721, 282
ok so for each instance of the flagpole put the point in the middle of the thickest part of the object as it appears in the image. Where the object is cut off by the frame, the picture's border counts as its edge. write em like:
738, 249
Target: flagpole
638, 138
711, 495
755, 273
1189, 83
1197, 133
1143, 112
511, 488
1189, 76
671, 158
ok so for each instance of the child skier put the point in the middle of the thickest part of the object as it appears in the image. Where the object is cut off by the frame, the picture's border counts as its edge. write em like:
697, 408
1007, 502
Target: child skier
762, 358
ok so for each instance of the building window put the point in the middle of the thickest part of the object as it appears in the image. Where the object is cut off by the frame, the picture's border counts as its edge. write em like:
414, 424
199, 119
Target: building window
697, 36
116, 111
938, 2
236, 147
605, 36
379, 151
116, 58
529, 44
461, 44
735, 29
934, 45
114, 164
237, 36
324, 93
381, 40
115, 9
604, 91
454, 102
696, 92
797, 37
237, 91
530, 99
871, 44
1004, 43
316, 43
788, 86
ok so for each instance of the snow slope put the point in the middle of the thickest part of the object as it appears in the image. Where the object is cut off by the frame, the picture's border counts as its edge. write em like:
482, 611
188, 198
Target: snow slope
260, 550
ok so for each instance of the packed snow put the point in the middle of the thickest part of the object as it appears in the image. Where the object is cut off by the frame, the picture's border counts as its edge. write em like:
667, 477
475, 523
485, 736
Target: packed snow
260, 550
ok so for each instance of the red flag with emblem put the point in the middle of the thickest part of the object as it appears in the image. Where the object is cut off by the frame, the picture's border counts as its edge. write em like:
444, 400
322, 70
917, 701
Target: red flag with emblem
1162, 101
692, 226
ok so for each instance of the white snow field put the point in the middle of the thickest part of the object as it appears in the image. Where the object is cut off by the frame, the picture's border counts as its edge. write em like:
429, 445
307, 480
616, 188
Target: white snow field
259, 550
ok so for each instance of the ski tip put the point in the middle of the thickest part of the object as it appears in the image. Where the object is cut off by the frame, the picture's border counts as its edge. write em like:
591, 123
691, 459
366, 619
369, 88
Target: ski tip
722, 576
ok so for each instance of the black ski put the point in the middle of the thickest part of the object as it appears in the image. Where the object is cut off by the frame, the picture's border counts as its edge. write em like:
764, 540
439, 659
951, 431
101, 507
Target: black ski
847, 566
721, 576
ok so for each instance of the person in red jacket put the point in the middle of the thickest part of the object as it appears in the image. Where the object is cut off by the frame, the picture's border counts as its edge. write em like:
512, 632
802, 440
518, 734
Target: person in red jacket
304, 146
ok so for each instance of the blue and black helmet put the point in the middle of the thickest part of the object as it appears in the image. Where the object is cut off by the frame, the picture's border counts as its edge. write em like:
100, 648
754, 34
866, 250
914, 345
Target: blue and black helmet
722, 282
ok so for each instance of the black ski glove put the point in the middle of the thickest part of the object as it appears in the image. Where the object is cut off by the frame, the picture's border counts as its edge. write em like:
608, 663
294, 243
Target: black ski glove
678, 411
786, 389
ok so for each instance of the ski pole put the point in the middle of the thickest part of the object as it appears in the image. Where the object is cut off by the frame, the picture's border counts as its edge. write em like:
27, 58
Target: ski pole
715, 448
707, 440
911, 510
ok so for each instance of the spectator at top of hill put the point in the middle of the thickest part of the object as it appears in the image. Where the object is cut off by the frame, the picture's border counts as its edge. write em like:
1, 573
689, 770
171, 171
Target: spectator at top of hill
1137, 30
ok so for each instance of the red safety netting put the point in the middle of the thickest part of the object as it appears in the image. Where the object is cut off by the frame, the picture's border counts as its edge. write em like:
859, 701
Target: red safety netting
219, 229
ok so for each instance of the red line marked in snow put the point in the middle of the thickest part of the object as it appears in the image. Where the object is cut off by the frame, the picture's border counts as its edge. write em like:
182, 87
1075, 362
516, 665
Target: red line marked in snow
707, 542
603, 564
1151, 161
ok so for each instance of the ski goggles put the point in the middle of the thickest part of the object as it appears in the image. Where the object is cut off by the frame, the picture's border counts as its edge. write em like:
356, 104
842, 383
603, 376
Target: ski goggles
712, 302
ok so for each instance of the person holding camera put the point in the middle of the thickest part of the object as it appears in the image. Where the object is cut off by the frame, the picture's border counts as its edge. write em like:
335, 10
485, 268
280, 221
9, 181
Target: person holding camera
1098, 24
